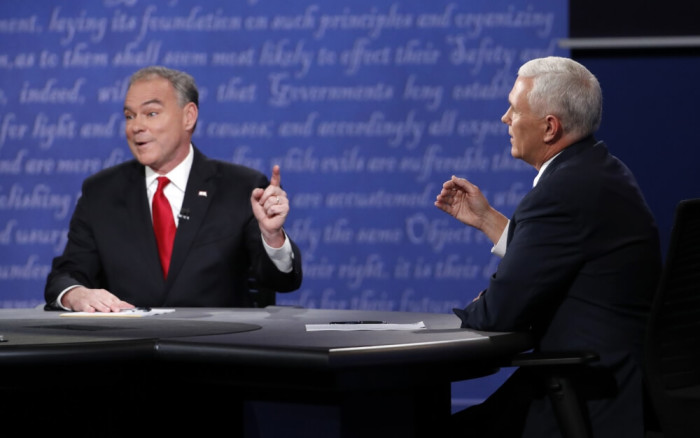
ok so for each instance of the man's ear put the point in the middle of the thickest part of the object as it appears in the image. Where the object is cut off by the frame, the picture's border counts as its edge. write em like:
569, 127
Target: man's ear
190, 114
553, 129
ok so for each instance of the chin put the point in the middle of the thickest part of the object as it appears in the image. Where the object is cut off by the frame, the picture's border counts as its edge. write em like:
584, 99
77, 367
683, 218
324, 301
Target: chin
144, 159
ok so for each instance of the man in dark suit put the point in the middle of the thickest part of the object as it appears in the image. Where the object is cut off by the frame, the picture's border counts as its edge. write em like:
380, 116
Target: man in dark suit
227, 220
581, 258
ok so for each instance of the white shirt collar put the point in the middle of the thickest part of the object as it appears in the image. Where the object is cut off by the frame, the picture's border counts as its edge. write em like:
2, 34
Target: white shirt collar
542, 169
178, 176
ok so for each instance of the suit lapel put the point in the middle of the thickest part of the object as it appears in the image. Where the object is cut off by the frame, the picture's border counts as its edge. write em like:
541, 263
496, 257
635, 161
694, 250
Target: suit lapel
137, 204
201, 187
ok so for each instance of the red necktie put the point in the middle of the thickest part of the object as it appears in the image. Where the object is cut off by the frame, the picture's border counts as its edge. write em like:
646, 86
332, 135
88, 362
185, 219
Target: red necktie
163, 225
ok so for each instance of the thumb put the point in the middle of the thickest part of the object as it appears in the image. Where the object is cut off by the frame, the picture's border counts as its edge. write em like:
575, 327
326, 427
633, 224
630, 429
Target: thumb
463, 184
256, 194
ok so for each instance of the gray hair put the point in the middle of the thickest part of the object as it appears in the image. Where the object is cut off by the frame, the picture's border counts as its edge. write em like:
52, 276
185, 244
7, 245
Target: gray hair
184, 84
566, 89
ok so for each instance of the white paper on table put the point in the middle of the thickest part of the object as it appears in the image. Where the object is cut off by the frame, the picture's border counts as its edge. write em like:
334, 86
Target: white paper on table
363, 326
126, 313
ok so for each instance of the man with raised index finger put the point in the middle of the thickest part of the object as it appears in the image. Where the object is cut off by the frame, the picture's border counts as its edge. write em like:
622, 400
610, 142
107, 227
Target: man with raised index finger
172, 228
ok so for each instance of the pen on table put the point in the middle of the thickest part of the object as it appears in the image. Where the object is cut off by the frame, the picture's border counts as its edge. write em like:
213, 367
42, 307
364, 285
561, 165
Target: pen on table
358, 322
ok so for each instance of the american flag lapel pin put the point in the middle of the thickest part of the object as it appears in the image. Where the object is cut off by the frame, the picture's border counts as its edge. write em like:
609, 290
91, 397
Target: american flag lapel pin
202, 193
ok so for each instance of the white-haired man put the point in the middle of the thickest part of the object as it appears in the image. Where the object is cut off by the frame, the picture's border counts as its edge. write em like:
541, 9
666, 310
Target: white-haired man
581, 258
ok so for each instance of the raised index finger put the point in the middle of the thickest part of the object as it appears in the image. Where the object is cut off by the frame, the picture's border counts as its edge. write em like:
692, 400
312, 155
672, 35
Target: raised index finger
275, 179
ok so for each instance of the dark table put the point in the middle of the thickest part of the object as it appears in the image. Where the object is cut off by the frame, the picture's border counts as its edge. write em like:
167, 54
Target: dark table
239, 372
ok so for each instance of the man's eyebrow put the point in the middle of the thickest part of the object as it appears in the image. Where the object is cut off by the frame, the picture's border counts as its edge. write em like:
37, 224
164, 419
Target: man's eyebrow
148, 102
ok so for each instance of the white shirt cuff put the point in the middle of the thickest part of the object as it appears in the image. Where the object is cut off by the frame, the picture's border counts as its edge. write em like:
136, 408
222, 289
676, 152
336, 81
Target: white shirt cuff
499, 248
283, 256
60, 297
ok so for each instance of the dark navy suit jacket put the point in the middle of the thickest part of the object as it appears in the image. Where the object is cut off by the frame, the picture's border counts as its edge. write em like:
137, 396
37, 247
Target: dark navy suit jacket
581, 265
218, 246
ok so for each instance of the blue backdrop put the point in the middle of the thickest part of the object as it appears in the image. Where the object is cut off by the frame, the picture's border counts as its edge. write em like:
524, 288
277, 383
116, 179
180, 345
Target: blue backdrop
368, 107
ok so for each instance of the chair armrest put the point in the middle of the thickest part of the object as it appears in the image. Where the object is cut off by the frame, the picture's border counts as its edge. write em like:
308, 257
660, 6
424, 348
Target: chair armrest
557, 358
556, 369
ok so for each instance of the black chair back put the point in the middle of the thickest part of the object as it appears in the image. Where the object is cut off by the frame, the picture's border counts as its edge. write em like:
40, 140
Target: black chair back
673, 337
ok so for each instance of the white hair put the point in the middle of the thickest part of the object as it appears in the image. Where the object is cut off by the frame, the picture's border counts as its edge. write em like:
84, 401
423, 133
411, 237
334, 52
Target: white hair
566, 89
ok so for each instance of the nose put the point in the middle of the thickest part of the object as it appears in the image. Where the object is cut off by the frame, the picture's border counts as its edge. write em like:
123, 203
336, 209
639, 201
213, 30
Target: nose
505, 118
134, 125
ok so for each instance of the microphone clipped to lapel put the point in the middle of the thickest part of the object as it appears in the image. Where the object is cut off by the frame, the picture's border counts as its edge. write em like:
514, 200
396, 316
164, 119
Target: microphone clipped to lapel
184, 214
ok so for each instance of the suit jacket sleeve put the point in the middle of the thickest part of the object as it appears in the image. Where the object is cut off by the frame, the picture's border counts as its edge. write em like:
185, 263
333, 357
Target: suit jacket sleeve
543, 258
80, 263
263, 269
